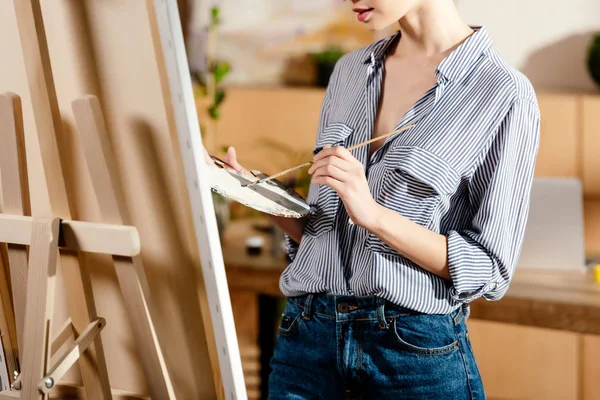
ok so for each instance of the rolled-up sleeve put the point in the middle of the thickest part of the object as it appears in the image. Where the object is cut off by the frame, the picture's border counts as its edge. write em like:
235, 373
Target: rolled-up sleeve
482, 258
291, 247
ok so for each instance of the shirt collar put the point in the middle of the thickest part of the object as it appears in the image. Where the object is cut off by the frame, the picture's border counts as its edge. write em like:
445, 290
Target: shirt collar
460, 60
381, 47
454, 66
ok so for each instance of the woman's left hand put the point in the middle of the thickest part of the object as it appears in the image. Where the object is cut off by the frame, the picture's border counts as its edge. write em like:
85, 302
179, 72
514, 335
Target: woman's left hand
337, 168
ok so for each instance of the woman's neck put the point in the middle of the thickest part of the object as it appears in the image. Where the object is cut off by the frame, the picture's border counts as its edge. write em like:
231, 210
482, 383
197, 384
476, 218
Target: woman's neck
433, 27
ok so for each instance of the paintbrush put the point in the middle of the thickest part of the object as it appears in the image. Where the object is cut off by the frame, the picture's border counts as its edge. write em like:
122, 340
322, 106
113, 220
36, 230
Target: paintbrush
309, 163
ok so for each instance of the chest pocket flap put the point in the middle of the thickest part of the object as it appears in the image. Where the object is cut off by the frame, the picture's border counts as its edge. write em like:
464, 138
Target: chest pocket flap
334, 133
422, 166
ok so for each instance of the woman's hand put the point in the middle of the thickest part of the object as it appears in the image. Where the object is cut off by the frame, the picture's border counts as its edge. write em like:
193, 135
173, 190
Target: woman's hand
293, 227
337, 168
230, 159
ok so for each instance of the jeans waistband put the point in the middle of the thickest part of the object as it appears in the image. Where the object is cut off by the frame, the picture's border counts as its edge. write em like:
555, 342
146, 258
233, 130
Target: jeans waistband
346, 307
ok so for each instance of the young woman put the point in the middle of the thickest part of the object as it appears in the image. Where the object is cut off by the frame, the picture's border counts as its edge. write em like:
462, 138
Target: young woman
408, 231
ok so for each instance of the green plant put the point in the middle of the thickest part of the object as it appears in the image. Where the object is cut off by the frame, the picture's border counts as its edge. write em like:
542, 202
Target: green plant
209, 81
593, 59
329, 56
325, 62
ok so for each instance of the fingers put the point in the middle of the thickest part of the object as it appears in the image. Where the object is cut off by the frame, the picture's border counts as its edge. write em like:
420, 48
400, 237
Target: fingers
333, 161
330, 170
337, 151
325, 180
231, 159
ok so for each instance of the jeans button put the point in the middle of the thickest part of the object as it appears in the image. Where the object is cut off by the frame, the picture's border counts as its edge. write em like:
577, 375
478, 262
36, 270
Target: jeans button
343, 307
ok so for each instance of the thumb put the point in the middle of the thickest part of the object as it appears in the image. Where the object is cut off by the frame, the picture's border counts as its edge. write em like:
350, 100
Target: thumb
231, 159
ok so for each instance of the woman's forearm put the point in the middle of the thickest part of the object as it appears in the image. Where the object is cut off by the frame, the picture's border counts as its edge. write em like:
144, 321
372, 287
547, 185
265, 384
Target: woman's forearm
425, 248
293, 227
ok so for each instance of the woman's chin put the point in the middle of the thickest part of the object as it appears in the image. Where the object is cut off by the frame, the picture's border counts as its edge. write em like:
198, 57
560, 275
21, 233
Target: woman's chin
375, 26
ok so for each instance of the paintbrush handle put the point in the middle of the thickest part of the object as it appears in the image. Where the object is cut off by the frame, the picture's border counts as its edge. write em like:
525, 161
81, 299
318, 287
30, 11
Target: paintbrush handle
378, 138
356, 146
277, 175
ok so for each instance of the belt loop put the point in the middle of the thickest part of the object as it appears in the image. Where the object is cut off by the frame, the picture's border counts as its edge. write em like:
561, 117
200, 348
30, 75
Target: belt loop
459, 315
307, 307
381, 313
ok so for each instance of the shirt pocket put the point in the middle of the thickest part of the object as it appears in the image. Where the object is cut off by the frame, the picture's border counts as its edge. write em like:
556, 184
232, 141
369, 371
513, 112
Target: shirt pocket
324, 201
334, 133
415, 182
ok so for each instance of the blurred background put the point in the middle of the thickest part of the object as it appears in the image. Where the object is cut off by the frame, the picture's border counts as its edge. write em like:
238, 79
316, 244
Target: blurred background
260, 68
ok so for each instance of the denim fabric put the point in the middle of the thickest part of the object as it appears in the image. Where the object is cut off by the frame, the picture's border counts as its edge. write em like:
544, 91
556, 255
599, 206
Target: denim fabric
347, 347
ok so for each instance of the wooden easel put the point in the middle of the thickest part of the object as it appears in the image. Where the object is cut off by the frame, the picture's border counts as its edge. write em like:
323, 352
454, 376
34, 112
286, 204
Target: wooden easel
49, 238
26, 306
43, 236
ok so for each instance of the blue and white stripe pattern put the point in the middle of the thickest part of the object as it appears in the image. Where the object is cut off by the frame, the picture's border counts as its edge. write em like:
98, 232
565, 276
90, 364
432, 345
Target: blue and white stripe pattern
465, 171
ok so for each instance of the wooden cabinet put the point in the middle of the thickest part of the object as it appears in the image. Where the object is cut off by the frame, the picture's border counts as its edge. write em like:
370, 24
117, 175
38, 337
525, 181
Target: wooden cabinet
591, 367
522, 362
559, 136
592, 227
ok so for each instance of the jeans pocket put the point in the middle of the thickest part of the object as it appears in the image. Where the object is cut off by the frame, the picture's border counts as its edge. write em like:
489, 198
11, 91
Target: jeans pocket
428, 335
290, 319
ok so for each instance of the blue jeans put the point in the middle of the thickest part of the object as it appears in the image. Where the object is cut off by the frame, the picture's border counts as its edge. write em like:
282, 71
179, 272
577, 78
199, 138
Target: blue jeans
345, 347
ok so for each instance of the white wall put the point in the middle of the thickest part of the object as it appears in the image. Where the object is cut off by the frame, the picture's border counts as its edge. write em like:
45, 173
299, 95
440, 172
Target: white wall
546, 39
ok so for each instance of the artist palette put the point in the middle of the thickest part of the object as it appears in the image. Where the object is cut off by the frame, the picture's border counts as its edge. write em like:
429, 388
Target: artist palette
271, 197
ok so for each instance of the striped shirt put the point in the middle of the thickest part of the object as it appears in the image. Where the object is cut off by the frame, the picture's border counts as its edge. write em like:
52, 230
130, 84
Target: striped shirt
464, 171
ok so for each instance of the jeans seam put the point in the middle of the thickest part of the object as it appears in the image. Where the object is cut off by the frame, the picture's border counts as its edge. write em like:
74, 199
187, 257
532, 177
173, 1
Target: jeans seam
459, 317
462, 355
340, 352
470, 349
359, 346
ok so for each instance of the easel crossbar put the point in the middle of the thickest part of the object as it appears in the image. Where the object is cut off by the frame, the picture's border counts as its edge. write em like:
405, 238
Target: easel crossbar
119, 240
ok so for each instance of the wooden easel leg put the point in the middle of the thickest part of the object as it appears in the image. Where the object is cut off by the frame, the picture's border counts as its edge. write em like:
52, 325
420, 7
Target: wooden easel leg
130, 271
49, 126
7, 322
15, 194
40, 305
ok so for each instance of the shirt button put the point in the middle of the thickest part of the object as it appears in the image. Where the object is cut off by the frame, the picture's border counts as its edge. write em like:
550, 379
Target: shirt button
343, 307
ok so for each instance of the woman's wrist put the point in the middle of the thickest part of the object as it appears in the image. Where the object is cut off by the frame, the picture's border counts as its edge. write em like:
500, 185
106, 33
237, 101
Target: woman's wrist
387, 225
292, 227
376, 219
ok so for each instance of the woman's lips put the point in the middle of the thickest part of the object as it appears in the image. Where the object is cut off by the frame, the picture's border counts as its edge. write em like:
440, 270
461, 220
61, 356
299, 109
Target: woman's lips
363, 13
